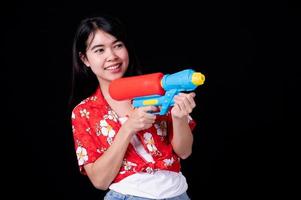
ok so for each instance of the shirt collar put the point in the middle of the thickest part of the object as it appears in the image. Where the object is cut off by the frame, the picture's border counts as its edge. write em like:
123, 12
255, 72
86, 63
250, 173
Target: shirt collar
98, 98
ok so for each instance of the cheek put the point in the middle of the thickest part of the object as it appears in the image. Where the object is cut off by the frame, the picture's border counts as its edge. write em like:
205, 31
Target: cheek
124, 55
96, 66
96, 61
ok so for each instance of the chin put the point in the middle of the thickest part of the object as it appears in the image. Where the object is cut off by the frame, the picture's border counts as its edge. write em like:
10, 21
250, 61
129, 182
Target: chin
116, 76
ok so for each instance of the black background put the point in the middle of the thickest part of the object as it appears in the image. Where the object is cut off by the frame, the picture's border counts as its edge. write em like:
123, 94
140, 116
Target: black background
244, 142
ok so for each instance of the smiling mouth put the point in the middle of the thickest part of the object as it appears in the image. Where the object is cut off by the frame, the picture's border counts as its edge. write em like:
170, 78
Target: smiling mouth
113, 67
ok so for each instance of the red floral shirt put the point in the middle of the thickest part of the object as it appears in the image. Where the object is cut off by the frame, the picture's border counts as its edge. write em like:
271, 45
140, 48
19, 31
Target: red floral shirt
95, 125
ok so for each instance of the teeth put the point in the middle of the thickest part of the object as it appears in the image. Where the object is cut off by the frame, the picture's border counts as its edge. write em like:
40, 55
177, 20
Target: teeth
113, 67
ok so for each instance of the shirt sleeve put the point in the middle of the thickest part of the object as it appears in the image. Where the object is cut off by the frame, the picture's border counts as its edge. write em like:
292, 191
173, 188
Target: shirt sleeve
191, 123
87, 150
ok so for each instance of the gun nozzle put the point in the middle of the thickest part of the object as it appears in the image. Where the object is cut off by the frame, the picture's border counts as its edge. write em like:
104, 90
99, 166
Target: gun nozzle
198, 78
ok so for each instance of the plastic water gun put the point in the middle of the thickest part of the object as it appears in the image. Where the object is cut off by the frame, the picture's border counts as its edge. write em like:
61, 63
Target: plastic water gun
155, 89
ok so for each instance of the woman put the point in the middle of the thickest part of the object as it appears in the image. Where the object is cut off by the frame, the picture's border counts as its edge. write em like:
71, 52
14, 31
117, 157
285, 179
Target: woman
132, 152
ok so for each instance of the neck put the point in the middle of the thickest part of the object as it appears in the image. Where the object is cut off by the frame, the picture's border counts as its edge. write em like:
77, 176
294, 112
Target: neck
122, 108
104, 87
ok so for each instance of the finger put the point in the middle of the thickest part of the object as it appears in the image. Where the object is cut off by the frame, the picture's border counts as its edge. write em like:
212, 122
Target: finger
186, 107
150, 121
177, 107
178, 110
147, 112
186, 94
188, 100
149, 108
192, 94
147, 126
145, 120
181, 105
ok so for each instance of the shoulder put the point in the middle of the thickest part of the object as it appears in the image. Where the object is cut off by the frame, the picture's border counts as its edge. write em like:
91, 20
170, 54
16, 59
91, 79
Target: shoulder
81, 105
84, 106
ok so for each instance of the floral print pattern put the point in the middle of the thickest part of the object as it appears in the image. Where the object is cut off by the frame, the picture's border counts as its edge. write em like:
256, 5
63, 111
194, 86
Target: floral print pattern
95, 125
82, 155
168, 162
127, 166
161, 128
150, 143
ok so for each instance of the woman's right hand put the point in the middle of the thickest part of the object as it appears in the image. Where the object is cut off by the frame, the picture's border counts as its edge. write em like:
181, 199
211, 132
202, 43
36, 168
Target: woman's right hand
140, 119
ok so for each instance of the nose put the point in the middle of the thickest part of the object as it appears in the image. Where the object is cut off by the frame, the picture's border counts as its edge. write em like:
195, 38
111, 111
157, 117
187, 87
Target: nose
111, 55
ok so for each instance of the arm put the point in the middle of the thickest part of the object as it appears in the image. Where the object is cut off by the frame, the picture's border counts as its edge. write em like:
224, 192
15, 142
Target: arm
182, 136
104, 170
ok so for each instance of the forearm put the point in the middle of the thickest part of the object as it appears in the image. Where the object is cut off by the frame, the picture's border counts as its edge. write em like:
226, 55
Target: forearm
182, 137
104, 170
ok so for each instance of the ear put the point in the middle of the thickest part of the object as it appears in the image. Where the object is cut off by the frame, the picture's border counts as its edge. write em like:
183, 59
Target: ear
84, 59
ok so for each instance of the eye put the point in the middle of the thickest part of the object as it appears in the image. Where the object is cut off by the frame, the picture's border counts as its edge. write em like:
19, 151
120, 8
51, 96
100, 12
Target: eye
119, 45
99, 51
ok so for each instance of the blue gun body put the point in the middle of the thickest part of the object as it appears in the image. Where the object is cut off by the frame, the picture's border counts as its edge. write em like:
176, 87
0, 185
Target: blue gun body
186, 80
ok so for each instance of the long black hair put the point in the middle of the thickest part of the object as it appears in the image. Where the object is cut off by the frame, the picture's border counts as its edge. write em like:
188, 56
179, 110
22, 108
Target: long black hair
84, 82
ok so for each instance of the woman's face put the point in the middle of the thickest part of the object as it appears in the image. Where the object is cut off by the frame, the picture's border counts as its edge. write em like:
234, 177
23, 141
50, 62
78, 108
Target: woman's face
106, 56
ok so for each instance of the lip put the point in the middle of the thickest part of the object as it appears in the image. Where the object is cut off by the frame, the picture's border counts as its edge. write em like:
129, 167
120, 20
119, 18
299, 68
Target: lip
119, 65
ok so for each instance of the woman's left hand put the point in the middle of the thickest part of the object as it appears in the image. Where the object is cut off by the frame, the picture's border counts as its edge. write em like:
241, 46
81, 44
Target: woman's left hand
184, 104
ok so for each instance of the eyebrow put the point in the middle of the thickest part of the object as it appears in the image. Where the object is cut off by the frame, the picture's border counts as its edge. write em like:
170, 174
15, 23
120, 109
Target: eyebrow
101, 45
